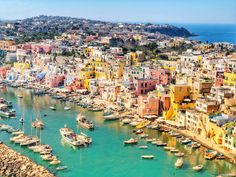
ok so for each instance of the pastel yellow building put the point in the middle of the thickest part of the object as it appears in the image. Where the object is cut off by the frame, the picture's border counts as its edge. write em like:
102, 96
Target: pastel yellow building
229, 79
180, 100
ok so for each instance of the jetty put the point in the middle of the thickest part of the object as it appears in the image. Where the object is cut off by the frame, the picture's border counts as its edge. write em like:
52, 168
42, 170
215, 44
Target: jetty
15, 164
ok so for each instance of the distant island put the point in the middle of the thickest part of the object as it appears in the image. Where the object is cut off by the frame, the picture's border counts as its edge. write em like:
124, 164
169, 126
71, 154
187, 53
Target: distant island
46, 27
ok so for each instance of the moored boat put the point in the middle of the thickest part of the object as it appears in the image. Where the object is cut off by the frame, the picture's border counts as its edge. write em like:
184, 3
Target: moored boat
38, 124
131, 141
198, 167
209, 155
70, 137
143, 124
83, 122
179, 163
147, 156
111, 117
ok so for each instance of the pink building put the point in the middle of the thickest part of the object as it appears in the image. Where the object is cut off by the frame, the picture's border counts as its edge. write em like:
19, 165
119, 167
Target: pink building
163, 76
143, 86
148, 105
37, 48
55, 80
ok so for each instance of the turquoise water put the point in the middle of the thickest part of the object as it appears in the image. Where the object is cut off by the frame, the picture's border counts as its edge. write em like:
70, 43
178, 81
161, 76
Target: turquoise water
106, 157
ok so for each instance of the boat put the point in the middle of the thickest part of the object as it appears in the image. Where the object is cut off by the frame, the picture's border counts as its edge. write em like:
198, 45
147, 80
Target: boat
143, 124
67, 108
168, 148
186, 141
111, 117
143, 147
209, 155
198, 167
95, 109
160, 143
179, 154
126, 121
38, 124
134, 123
61, 168
6, 112
196, 145
55, 162
220, 156
147, 156
131, 141
137, 132
108, 112
83, 122
179, 163
85, 138
70, 137
149, 140
19, 96
174, 150
53, 108
18, 132
143, 135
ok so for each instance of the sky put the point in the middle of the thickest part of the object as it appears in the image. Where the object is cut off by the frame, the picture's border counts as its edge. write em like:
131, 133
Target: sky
158, 11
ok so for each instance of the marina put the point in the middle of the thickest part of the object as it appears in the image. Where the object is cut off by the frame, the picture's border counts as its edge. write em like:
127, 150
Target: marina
88, 155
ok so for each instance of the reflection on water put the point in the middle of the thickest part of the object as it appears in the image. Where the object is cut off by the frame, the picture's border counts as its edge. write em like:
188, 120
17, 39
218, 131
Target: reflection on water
107, 150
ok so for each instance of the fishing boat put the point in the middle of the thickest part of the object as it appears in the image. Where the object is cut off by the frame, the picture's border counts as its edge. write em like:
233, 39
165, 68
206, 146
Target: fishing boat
179, 154
111, 117
53, 108
95, 109
38, 124
70, 137
147, 156
67, 108
198, 167
134, 123
143, 124
83, 122
160, 143
143, 147
61, 168
209, 155
179, 163
131, 141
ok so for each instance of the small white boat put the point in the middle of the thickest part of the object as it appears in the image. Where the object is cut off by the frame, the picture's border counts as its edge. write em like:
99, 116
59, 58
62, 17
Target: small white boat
174, 150
61, 168
126, 121
168, 148
111, 117
143, 135
143, 147
131, 141
147, 156
134, 124
53, 108
149, 140
198, 167
67, 108
179, 154
19, 96
17, 133
55, 162
179, 163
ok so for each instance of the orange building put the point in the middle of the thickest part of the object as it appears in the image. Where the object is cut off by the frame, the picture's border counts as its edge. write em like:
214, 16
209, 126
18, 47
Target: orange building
7, 44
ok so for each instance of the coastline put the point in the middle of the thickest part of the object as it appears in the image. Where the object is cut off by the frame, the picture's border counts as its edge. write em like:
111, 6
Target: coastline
13, 163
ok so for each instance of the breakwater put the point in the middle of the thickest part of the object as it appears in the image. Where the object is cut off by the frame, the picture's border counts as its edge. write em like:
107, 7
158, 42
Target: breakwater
15, 164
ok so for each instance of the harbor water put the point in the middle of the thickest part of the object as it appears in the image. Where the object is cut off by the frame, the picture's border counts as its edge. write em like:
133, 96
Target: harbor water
106, 156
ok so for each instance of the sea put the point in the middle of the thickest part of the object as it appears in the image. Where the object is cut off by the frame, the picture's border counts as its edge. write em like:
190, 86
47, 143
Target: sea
212, 32
106, 156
